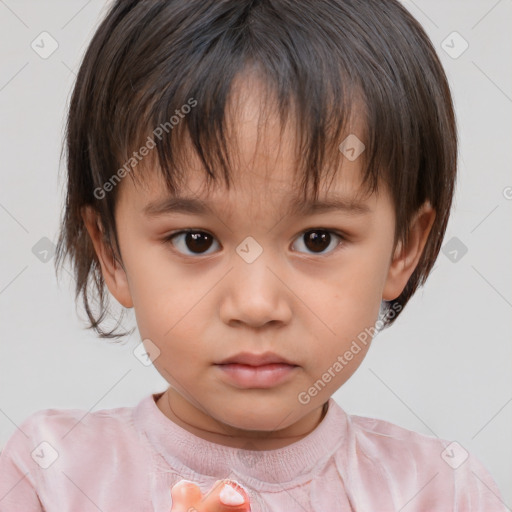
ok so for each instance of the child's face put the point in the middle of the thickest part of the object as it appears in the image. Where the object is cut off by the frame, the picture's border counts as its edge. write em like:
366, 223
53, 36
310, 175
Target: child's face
308, 307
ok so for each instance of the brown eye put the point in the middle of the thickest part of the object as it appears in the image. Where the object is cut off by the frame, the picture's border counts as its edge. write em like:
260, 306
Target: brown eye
318, 240
197, 242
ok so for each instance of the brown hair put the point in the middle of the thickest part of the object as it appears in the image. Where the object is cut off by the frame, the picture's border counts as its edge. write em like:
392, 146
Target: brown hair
150, 58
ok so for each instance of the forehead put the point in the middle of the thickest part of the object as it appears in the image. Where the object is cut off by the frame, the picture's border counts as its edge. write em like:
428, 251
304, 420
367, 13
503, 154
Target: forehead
265, 166
251, 192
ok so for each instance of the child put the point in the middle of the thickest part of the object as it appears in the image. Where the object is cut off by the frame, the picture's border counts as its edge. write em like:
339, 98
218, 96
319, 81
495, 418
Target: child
311, 147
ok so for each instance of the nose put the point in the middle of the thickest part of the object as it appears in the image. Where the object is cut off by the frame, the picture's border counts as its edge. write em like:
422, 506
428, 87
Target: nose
256, 294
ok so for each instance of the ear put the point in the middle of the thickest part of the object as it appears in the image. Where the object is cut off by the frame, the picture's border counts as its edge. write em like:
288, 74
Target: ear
406, 258
113, 273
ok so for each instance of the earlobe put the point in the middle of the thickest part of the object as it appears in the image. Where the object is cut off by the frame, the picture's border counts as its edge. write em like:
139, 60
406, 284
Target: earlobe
406, 258
113, 273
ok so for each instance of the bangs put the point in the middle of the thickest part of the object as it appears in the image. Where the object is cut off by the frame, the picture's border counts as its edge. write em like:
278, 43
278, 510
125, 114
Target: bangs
316, 127
178, 100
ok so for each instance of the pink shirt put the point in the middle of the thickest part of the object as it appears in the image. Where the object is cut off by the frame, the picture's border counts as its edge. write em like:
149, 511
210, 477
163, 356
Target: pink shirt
127, 459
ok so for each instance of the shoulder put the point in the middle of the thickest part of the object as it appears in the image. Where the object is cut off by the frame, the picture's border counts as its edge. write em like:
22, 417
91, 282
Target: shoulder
386, 434
55, 446
63, 426
399, 449
440, 474
407, 447
52, 435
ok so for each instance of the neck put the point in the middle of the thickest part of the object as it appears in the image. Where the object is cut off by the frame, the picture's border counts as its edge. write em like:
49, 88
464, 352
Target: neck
182, 413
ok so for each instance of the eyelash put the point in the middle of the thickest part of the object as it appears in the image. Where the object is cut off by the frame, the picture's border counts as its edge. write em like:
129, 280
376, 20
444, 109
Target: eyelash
168, 239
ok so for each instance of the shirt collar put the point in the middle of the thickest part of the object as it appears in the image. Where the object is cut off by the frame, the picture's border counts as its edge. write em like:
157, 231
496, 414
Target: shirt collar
297, 461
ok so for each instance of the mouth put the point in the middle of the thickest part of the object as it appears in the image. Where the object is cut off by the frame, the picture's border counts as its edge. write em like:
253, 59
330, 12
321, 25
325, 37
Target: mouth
246, 376
257, 360
250, 370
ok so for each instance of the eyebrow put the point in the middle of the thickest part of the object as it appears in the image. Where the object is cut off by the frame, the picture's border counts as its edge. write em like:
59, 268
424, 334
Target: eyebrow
297, 206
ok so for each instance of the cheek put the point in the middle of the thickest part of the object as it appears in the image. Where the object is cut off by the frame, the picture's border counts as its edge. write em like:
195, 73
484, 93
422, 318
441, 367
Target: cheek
154, 291
354, 294
348, 304
169, 306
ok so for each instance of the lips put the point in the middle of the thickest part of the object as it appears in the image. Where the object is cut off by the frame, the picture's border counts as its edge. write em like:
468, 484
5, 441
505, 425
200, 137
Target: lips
244, 376
253, 359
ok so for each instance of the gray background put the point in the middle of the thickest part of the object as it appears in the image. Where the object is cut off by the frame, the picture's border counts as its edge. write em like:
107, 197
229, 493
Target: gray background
443, 369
